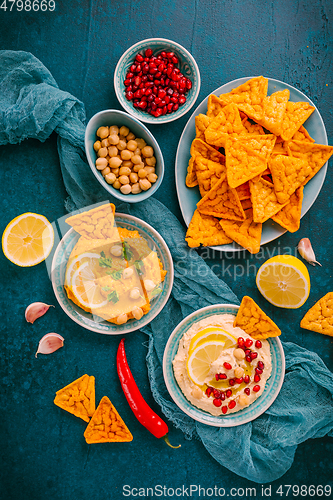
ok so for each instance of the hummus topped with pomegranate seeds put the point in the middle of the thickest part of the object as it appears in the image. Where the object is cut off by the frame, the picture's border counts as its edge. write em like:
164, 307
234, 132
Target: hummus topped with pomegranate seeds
232, 381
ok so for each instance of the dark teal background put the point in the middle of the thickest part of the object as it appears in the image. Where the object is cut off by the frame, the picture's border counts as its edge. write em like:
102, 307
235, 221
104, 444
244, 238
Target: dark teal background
43, 452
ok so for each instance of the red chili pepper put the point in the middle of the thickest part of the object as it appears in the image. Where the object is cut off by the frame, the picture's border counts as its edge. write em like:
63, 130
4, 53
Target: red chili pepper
146, 416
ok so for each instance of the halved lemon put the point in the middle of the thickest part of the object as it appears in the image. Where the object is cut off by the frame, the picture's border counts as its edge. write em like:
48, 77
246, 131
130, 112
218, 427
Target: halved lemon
28, 239
212, 333
200, 360
84, 288
89, 257
284, 281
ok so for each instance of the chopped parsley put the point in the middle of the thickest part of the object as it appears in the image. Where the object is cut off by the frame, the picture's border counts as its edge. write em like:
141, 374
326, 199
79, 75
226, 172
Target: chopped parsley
113, 296
156, 291
127, 252
139, 266
116, 275
104, 261
106, 288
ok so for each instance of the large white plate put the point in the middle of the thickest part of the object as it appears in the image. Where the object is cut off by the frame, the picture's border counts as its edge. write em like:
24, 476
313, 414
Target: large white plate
189, 197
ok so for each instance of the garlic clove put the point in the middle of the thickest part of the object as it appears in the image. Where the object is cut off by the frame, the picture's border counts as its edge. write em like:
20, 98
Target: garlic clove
35, 311
49, 343
306, 251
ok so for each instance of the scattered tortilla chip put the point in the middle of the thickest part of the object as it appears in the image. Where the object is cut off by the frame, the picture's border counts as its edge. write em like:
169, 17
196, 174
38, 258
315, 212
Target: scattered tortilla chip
316, 155
78, 397
106, 425
274, 108
261, 144
248, 97
320, 317
208, 173
191, 177
243, 191
242, 163
246, 233
302, 135
97, 223
254, 321
201, 123
296, 114
205, 230
288, 173
226, 124
264, 200
222, 201
214, 106
289, 217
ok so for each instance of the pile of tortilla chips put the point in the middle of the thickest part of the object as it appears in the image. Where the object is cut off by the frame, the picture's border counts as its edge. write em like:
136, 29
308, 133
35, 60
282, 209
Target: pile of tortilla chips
266, 160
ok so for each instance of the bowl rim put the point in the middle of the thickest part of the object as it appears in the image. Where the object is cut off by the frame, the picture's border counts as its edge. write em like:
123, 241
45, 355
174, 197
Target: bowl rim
114, 192
149, 118
147, 320
223, 423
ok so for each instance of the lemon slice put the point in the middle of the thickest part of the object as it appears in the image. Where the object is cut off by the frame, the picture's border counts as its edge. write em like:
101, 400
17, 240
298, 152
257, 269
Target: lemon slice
76, 262
28, 239
212, 333
284, 281
200, 360
84, 288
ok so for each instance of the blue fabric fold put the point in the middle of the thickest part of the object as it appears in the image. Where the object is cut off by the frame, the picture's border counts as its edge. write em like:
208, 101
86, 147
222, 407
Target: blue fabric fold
32, 106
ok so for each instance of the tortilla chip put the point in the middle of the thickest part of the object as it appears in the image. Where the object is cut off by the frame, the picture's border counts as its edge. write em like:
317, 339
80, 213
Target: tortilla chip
206, 231
242, 163
248, 97
264, 200
107, 426
243, 191
78, 397
222, 201
214, 106
191, 177
316, 155
274, 107
246, 233
320, 317
208, 173
201, 148
290, 216
227, 123
97, 223
254, 321
251, 128
246, 204
288, 173
280, 148
262, 144
302, 135
201, 124
296, 114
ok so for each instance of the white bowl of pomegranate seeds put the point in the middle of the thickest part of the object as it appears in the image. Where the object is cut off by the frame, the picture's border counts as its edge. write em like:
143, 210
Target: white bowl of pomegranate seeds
157, 80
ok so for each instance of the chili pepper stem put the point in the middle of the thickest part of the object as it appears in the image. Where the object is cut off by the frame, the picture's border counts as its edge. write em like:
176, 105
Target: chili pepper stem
166, 439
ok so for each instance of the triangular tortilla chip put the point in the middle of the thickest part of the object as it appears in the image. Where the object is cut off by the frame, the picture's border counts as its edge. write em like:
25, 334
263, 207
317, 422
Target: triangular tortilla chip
261, 144
254, 321
227, 123
106, 425
246, 233
290, 216
288, 173
320, 317
248, 97
316, 155
302, 135
201, 124
280, 148
251, 128
214, 106
208, 173
191, 177
222, 201
97, 223
78, 397
246, 204
242, 163
201, 148
274, 107
264, 200
243, 191
296, 114
205, 230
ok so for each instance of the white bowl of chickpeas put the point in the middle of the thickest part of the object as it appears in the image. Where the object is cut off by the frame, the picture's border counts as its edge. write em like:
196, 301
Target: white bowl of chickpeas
123, 155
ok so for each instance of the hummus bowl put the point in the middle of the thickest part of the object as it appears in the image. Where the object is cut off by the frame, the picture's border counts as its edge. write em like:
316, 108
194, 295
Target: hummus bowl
245, 415
90, 321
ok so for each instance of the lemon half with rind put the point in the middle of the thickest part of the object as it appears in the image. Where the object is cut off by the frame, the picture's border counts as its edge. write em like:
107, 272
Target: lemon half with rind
212, 333
284, 281
201, 358
85, 289
76, 262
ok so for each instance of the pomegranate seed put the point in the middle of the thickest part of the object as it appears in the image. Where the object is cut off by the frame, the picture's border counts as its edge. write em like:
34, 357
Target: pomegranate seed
174, 99
127, 82
145, 68
157, 83
257, 378
258, 371
217, 402
247, 391
139, 57
136, 104
129, 96
217, 393
129, 74
248, 358
153, 106
170, 55
254, 355
182, 99
224, 409
175, 60
138, 68
228, 393
256, 388
142, 104
133, 68
144, 98
239, 380
129, 88
209, 390
167, 99
163, 54
169, 91
217, 376
155, 89
163, 103
162, 94
158, 112
189, 84
260, 365
175, 107
258, 344
148, 52
138, 94
222, 376
222, 396
150, 98
248, 342
231, 382
158, 101
240, 341
150, 77
148, 91
247, 379
247, 352
158, 74
232, 404
227, 366
165, 110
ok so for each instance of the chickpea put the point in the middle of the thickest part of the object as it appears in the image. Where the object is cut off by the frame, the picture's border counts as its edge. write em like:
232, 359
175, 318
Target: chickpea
134, 177
105, 143
137, 151
115, 171
97, 145
239, 372
124, 171
137, 312
149, 285
136, 159
115, 162
101, 163
150, 170
239, 353
127, 163
106, 171
142, 173
135, 293
125, 154
123, 179
152, 178
114, 130
141, 143
116, 184
132, 145
121, 145
124, 131
144, 184
243, 400
102, 153
138, 167
197, 392
110, 178
128, 272
102, 132
113, 139
116, 250
136, 188
121, 319
130, 136
151, 162
126, 189
147, 151
113, 151
122, 138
